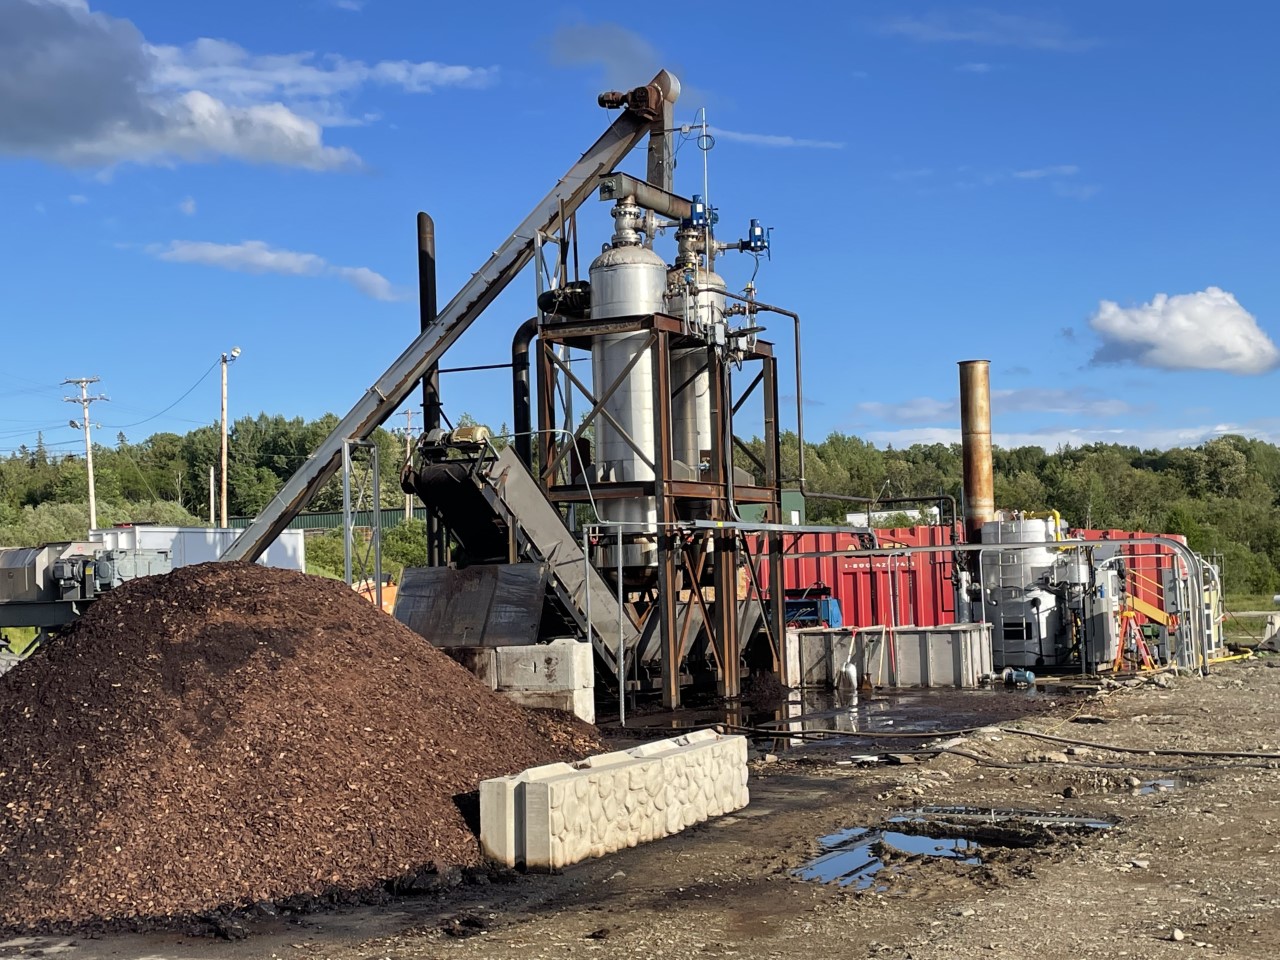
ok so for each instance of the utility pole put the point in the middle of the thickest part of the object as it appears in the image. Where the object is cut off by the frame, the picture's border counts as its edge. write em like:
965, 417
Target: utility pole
408, 454
84, 400
226, 359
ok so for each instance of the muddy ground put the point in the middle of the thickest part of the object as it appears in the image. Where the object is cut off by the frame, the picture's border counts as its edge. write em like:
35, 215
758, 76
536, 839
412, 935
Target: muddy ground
1190, 870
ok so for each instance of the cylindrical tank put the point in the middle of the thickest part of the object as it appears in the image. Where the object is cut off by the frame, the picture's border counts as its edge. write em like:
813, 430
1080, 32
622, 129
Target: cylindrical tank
1025, 615
626, 280
702, 314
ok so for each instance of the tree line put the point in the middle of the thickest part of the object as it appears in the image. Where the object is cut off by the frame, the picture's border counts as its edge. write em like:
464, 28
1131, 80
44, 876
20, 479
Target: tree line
1223, 495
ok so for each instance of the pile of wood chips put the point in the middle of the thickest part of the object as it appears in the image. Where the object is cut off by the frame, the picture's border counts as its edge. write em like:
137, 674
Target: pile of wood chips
229, 734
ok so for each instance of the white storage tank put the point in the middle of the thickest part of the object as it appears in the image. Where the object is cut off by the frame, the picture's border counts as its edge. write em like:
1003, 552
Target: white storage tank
703, 315
1023, 614
627, 280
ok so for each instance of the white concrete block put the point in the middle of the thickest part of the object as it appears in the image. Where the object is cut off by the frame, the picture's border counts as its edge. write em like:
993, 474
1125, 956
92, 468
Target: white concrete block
617, 800
502, 812
559, 665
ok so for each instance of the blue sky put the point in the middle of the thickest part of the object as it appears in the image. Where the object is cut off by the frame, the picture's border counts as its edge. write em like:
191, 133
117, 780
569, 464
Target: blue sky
1083, 193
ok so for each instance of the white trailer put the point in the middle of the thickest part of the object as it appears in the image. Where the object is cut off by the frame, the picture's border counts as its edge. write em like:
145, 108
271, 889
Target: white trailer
190, 545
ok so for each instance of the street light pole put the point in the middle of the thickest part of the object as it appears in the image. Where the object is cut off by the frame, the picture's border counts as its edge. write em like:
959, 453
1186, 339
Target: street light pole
226, 359
84, 400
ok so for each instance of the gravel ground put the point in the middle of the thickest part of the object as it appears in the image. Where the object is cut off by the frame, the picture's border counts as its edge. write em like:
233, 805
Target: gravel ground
1193, 870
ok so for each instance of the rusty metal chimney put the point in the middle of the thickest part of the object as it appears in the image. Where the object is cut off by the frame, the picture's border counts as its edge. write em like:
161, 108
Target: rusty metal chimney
975, 438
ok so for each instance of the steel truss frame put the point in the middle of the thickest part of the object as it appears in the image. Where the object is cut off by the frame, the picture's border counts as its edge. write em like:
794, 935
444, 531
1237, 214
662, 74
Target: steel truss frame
690, 607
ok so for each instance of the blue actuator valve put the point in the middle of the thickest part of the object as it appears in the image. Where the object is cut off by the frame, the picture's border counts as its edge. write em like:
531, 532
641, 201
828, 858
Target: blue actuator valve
758, 237
698, 211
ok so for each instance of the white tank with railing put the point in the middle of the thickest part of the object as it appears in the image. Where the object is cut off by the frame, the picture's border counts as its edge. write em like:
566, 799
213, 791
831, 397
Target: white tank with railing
1023, 614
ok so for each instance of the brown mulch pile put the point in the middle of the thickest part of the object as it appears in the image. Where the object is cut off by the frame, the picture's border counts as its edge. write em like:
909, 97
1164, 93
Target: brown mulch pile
229, 734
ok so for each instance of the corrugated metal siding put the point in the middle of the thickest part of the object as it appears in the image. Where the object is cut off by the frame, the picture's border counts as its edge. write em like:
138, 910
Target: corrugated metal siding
332, 520
921, 584
869, 588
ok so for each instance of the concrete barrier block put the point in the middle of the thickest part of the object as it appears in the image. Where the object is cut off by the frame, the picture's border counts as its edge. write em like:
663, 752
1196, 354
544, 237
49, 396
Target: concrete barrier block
653, 748
617, 800
502, 812
559, 665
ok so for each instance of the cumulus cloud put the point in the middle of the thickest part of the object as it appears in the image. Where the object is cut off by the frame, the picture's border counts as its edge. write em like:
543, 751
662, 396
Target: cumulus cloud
188, 206
230, 72
1208, 330
82, 88
255, 256
989, 28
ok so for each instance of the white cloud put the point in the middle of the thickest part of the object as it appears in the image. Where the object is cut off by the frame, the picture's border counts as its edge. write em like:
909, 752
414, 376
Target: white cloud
369, 283
255, 256
1208, 330
1040, 173
197, 127
83, 88
354, 6
1071, 401
230, 72
915, 410
974, 68
188, 206
1051, 438
77, 199
773, 140
989, 28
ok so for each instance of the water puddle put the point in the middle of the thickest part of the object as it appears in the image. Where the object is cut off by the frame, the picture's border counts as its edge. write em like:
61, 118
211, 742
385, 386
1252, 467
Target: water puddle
864, 857
857, 857
1167, 785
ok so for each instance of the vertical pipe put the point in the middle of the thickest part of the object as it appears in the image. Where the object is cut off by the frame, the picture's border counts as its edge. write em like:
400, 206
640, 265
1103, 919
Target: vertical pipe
348, 527
975, 431
427, 309
213, 517
223, 514
376, 514
522, 413
622, 645
586, 582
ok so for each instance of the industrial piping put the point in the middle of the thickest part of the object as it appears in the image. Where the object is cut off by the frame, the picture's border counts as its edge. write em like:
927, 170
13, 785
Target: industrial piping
522, 419
428, 307
975, 438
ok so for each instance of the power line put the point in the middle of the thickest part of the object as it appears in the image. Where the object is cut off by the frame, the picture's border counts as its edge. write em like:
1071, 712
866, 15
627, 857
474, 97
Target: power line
126, 426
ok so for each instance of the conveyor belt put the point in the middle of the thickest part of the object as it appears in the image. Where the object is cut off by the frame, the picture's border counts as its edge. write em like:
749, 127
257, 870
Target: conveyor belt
452, 490
541, 534
483, 506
